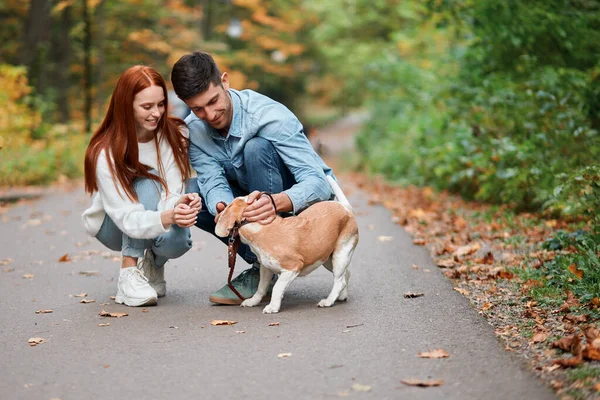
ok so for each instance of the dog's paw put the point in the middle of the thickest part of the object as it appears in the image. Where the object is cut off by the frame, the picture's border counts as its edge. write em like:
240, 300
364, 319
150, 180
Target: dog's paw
269, 309
325, 303
250, 302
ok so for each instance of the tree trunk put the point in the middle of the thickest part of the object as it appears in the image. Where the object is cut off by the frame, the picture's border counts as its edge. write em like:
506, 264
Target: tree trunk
99, 36
62, 53
35, 35
87, 66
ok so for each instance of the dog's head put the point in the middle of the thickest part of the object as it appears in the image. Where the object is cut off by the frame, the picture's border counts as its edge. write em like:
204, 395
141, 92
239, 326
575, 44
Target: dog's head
231, 215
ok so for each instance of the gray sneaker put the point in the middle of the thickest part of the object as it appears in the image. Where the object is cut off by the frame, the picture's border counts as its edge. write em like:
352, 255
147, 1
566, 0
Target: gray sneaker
246, 283
154, 274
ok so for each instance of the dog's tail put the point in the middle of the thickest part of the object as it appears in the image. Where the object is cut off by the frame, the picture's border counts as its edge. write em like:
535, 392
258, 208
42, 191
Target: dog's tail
339, 194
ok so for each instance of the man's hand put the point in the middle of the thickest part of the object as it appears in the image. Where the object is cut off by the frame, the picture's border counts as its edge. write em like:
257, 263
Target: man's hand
220, 207
260, 209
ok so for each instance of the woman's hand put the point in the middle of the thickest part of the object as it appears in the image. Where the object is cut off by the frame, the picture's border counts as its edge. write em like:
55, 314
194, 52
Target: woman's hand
186, 210
260, 209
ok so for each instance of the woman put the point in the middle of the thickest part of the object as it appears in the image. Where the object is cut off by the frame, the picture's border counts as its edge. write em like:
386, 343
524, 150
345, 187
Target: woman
136, 165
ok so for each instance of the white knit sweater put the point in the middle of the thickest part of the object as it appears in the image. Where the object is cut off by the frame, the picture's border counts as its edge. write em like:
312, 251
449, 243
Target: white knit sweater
130, 216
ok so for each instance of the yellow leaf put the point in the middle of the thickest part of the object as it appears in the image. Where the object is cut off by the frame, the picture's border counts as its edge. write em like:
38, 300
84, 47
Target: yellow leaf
217, 322
439, 353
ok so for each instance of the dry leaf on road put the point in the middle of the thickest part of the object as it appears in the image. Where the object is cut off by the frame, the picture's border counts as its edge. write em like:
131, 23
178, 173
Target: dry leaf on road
274, 324
89, 273
462, 291
447, 263
65, 258
385, 238
240, 331
539, 337
36, 340
421, 383
82, 294
357, 387
43, 311
438, 353
411, 295
217, 322
86, 301
467, 249
284, 355
6, 261
113, 314
106, 324
28, 276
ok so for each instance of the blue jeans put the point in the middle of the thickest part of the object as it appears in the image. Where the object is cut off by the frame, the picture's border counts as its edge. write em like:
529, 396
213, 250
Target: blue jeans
172, 244
265, 171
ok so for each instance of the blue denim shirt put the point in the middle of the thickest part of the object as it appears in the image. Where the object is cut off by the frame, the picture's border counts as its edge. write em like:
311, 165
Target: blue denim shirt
218, 159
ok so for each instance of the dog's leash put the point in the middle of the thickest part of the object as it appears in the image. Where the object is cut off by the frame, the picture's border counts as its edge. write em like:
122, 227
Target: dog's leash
234, 244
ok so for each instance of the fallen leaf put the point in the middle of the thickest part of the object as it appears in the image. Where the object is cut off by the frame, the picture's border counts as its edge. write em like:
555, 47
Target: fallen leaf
82, 294
597, 387
439, 353
447, 263
174, 327
89, 273
144, 310
217, 322
570, 302
113, 314
486, 306
462, 291
65, 258
385, 238
86, 301
106, 324
421, 383
28, 276
354, 326
419, 242
569, 344
6, 261
357, 387
575, 318
8, 269
410, 295
240, 331
284, 355
414, 266
274, 324
467, 249
43, 311
111, 297
36, 340
577, 272
539, 337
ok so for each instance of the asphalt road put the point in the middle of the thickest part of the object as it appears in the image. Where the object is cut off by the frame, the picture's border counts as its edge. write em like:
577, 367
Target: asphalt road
362, 348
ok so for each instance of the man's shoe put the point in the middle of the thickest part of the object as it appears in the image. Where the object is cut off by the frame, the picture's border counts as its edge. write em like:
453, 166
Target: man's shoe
246, 283
133, 289
154, 274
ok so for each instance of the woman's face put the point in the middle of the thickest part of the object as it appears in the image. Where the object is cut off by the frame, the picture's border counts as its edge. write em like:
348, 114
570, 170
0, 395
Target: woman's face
148, 109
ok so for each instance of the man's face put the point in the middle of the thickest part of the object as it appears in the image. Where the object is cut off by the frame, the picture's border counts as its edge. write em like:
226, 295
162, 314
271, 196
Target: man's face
214, 105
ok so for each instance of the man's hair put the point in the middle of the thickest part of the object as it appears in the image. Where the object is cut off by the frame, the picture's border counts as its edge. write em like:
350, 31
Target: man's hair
193, 73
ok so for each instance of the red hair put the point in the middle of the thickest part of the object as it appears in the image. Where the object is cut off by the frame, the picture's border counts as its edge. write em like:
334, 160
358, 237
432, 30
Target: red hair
117, 136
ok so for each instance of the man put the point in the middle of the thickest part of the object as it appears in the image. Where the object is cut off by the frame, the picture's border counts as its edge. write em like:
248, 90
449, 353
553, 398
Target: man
244, 143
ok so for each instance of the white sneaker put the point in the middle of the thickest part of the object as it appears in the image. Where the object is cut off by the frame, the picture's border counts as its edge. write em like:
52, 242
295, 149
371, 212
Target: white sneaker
154, 274
133, 289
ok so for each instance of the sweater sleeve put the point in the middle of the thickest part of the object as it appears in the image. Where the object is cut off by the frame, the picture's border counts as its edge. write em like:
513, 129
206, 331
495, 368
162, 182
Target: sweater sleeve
129, 216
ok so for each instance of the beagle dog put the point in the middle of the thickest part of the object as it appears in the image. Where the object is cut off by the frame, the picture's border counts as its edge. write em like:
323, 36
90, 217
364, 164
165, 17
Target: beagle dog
326, 233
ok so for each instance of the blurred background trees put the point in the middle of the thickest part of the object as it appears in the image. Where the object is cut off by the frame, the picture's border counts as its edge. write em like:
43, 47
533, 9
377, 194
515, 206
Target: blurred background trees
498, 101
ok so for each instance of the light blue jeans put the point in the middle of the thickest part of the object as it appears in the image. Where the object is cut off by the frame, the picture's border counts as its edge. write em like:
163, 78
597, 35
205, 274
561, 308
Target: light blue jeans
172, 244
